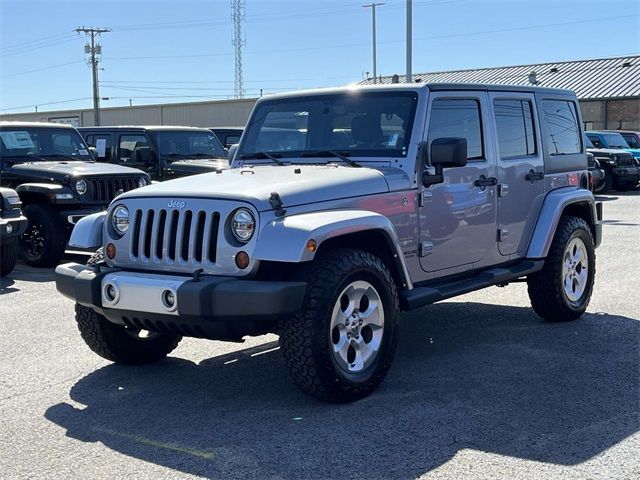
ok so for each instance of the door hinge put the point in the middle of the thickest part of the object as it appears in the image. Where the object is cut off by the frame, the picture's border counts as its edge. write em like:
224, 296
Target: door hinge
424, 198
503, 190
426, 248
502, 234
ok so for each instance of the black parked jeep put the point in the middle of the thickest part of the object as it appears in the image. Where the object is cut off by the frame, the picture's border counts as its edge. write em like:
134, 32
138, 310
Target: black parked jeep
54, 173
163, 152
620, 168
12, 224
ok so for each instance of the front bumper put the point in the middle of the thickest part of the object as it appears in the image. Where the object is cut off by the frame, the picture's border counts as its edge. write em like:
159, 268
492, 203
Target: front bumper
218, 308
12, 227
626, 173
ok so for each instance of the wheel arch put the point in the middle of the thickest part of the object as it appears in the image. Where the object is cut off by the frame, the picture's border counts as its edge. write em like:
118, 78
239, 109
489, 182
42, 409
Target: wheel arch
566, 201
285, 241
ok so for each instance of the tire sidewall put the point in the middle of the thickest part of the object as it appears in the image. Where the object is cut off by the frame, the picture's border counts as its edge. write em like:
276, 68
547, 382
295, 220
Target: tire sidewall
581, 304
387, 347
51, 233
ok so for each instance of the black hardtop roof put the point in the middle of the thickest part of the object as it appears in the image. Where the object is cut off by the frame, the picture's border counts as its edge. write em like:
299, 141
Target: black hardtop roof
140, 128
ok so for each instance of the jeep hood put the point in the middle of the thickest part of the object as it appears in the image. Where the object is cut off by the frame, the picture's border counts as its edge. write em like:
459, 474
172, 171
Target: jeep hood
190, 167
72, 168
296, 184
607, 151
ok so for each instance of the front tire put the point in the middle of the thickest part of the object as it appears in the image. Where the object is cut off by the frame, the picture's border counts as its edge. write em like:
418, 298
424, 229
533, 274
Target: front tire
561, 291
44, 241
8, 257
121, 344
340, 347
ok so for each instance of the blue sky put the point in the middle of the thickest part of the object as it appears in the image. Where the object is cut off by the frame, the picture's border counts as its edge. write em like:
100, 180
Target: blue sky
161, 51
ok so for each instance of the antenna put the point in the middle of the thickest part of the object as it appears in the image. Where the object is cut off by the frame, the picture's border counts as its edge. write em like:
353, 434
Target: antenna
237, 15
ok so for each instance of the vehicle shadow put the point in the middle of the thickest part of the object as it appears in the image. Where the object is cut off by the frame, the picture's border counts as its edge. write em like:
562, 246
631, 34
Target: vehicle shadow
467, 375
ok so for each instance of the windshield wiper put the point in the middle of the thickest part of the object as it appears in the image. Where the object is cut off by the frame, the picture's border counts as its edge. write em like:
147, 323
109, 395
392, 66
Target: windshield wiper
271, 156
32, 158
68, 157
331, 153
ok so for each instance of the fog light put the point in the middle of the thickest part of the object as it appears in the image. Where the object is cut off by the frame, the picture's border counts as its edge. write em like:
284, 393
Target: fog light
169, 299
242, 260
111, 293
111, 251
9, 228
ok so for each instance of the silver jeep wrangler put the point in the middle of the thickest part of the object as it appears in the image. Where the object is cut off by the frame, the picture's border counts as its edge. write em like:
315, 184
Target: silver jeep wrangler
344, 208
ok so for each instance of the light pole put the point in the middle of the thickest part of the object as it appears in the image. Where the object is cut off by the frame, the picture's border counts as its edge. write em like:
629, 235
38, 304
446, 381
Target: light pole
373, 6
409, 39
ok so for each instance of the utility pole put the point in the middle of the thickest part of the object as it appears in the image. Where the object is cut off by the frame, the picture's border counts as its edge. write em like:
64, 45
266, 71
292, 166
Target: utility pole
373, 6
409, 39
94, 51
237, 15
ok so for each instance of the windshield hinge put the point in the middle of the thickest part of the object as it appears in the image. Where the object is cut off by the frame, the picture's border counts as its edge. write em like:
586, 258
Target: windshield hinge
276, 203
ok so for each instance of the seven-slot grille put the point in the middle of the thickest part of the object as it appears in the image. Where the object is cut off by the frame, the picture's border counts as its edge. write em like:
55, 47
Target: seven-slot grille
625, 160
170, 236
105, 189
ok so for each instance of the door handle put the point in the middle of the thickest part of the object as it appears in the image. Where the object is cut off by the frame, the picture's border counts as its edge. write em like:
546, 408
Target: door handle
484, 182
533, 176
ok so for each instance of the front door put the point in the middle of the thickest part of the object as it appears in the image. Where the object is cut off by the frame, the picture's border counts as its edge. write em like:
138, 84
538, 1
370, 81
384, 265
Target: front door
458, 216
520, 168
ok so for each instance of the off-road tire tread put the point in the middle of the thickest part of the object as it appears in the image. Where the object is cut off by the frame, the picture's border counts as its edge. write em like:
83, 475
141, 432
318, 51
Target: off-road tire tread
111, 342
8, 257
296, 334
545, 287
55, 242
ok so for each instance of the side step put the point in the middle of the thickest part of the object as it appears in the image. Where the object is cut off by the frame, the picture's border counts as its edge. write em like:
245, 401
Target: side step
421, 296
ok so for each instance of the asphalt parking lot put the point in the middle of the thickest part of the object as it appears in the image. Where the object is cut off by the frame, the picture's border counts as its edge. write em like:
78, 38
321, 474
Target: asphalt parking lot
481, 388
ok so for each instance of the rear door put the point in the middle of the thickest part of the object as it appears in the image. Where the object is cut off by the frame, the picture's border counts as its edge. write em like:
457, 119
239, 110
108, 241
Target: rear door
520, 168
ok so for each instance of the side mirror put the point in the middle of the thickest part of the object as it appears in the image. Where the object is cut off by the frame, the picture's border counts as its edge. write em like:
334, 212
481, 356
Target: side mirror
94, 152
445, 153
449, 152
232, 152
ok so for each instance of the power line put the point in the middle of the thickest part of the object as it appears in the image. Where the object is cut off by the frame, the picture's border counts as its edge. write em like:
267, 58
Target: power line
41, 69
47, 103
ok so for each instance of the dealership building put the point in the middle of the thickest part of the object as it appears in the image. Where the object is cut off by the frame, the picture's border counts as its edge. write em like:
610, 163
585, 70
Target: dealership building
608, 90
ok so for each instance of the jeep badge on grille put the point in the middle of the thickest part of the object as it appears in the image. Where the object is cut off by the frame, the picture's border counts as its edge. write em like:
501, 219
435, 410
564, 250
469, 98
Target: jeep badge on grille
176, 204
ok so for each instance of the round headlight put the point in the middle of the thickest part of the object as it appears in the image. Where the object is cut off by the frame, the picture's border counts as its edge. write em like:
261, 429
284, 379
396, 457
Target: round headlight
243, 224
120, 219
142, 182
81, 187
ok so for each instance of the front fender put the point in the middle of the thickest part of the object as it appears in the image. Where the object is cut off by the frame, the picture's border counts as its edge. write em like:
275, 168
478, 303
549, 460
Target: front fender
87, 233
50, 191
552, 208
285, 240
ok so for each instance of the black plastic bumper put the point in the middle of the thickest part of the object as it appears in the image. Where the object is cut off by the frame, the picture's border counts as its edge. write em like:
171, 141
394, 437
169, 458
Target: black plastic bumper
11, 228
219, 308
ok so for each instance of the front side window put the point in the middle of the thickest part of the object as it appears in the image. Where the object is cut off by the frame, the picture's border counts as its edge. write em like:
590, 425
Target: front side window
102, 144
514, 122
134, 149
631, 140
181, 145
371, 124
563, 131
42, 144
457, 118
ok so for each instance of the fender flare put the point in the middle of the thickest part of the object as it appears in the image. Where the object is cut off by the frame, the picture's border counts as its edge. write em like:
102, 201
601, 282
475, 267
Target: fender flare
285, 240
47, 191
87, 233
552, 207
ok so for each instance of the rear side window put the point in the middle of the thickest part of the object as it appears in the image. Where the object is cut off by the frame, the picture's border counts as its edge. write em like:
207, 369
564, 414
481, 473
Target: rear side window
514, 121
631, 140
459, 118
563, 132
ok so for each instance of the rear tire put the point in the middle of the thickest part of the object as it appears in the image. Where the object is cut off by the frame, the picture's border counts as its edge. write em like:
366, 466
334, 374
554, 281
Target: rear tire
561, 291
44, 241
339, 348
120, 344
8, 257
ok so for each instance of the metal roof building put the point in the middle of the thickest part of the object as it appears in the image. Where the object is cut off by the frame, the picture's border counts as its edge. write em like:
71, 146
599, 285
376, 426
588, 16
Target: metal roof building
608, 88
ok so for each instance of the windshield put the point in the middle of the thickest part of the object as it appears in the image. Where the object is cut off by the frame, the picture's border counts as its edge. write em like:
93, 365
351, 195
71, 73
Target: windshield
43, 144
588, 143
370, 124
615, 140
180, 145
